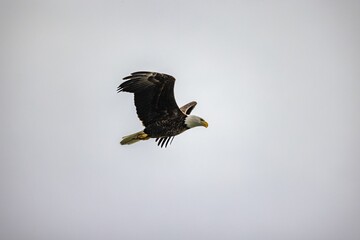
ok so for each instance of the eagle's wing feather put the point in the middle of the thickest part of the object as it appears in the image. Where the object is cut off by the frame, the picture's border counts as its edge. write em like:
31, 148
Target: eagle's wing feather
164, 141
187, 108
154, 95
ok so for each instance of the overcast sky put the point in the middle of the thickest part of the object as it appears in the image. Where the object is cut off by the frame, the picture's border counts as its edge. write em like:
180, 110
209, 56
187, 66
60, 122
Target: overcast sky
277, 81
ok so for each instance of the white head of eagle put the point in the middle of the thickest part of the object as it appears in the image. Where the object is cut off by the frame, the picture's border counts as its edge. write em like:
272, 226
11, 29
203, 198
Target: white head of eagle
156, 107
195, 121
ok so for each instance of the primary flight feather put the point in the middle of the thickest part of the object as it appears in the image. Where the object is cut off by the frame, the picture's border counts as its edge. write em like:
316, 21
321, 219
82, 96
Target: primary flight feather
157, 109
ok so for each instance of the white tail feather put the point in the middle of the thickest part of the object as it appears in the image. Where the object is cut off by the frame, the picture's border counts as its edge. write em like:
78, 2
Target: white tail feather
130, 139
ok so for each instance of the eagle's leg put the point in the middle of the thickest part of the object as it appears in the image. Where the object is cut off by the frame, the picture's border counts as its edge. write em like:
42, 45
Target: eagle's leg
143, 136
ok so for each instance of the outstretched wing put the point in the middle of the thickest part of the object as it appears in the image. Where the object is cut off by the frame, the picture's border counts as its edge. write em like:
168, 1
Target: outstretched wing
187, 108
154, 95
164, 141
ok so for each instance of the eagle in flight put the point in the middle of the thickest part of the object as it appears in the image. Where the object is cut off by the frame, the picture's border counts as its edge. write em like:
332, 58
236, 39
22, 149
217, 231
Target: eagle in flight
157, 109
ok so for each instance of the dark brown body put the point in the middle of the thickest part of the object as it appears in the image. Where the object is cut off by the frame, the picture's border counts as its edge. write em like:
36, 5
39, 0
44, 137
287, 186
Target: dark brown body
168, 127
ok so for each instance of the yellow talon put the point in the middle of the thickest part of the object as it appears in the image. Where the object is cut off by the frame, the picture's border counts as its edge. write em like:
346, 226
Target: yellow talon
143, 136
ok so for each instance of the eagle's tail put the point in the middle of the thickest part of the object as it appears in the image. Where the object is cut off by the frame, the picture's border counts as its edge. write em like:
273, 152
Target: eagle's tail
133, 138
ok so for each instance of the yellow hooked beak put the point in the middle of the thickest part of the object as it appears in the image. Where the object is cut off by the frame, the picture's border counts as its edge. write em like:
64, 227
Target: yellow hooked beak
204, 123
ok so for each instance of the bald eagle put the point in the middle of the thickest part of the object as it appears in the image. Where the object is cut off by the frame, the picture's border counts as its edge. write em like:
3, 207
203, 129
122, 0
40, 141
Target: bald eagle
157, 109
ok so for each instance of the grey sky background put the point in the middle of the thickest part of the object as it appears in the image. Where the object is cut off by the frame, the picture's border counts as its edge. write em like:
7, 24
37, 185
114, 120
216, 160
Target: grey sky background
278, 82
